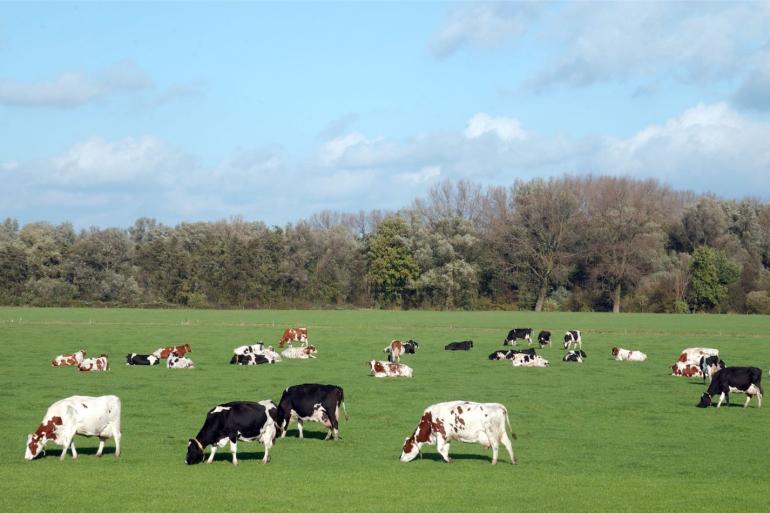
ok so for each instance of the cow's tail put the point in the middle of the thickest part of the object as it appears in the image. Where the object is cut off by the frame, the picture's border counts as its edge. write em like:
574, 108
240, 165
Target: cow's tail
508, 423
342, 403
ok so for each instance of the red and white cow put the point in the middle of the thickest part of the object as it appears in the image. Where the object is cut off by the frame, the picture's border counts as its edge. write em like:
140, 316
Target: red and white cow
688, 363
528, 360
621, 354
688, 370
380, 369
180, 350
394, 351
299, 353
77, 415
465, 421
69, 359
98, 364
179, 362
294, 335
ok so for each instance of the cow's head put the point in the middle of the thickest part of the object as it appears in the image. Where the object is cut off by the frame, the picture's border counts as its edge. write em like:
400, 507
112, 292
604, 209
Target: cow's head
705, 400
410, 450
582, 354
421, 435
310, 350
36, 441
615, 351
194, 452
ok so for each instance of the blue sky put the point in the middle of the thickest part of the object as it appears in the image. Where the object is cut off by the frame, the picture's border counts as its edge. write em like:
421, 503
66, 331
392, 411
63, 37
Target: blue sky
275, 111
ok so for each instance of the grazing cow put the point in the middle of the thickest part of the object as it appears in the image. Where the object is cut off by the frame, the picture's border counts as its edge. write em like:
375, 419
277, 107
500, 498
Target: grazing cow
688, 370
394, 350
299, 353
709, 365
389, 370
621, 354
249, 359
411, 346
180, 350
294, 335
518, 333
747, 380
99, 364
257, 348
544, 339
459, 346
312, 401
573, 340
179, 362
141, 359
229, 422
69, 359
509, 354
575, 356
465, 421
525, 360
77, 415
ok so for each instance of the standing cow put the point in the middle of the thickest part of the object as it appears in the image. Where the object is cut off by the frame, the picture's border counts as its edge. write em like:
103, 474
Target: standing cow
544, 339
229, 422
77, 415
518, 333
294, 335
573, 340
394, 351
747, 380
465, 421
312, 401
180, 350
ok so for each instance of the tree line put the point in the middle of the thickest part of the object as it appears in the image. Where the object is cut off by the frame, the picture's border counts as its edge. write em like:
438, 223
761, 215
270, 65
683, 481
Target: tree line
567, 243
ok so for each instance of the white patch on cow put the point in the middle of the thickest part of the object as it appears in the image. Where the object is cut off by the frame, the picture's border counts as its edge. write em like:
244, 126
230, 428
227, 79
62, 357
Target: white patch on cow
220, 409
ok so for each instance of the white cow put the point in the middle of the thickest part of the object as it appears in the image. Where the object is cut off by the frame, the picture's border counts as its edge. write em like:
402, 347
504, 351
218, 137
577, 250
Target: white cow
179, 362
301, 353
465, 421
630, 355
381, 369
77, 415
271, 354
528, 360
98, 364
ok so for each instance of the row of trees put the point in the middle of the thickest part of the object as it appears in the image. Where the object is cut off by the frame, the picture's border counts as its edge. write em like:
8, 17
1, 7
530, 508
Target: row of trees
570, 243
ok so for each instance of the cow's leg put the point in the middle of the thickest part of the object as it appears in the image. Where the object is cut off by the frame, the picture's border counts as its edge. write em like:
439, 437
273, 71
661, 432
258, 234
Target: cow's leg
72, 449
529, 340
443, 448
233, 451
101, 446
212, 453
721, 398
748, 398
494, 446
299, 428
508, 447
759, 400
116, 435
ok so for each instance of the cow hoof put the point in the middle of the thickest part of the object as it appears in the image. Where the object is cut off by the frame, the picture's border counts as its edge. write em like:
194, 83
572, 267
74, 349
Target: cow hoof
513, 461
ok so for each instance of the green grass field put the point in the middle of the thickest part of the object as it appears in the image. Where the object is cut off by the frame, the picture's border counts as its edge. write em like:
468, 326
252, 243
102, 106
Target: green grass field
598, 436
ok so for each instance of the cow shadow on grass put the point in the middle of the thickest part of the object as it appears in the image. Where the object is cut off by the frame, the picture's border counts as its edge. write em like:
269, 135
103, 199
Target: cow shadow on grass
85, 451
434, 456
293, 433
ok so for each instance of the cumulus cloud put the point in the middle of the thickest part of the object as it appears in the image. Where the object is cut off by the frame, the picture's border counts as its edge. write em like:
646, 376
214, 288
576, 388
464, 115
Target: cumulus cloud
482, 24
505, 129
425, 174
71, 88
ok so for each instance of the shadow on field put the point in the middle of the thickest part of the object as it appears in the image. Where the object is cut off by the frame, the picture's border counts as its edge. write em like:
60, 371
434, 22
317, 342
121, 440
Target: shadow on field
293, 433
434, 456
85, 451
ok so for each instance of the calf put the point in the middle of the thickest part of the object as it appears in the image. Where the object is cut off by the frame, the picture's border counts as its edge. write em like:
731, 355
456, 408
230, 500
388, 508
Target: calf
294, 335
77, 415
389, 370
518, 333
525, 360
312, 401
180, 350
747, 380
301, 353
573, 340
709, 365
229, 422
544, 339
257, 348
249, 359
141, 359
465, 421
459, 346
394, 351
98, 364
575, 356
179, 362
68, 359
621, 354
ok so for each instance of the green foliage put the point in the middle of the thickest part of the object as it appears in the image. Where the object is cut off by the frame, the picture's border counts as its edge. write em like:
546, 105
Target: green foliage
711, 272
758, 302
392, 266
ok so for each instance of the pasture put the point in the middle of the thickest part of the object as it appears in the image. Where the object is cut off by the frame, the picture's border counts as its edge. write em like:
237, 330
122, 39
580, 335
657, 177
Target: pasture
598, 436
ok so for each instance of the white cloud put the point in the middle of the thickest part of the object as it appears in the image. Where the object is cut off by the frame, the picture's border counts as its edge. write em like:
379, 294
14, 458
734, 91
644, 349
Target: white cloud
423, 175
11, 165
69, 89
506, 129
334, 149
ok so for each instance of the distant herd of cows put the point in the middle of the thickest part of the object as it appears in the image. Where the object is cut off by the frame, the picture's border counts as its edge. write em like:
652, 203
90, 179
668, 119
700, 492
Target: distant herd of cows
263, 421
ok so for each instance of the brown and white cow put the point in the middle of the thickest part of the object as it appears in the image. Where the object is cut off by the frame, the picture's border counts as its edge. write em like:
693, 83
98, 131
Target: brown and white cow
294, 335
688, 370
95, 364
394, 351
299, 353
380, 369
688, 362
180, 350
621, 354
69, 359
465, 421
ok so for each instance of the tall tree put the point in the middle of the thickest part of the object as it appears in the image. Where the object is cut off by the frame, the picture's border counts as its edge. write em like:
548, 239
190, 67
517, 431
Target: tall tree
391, 265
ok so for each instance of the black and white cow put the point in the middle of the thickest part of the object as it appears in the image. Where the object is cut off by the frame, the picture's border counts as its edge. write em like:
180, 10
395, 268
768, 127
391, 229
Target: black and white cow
709, 365
510, 353
230, 422
312, 401
411, 346
518, 333
747, 380
141, 359
257, 348
575, 356
572, 340
466, 345
544, 339
249, 359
